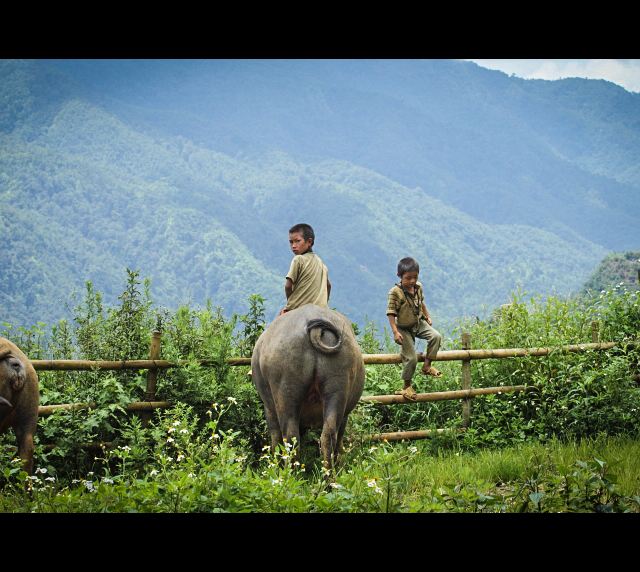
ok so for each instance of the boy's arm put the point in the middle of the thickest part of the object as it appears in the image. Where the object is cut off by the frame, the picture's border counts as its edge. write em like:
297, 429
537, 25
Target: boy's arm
288, 287
288, 282
397, 336
392, 310
426, 314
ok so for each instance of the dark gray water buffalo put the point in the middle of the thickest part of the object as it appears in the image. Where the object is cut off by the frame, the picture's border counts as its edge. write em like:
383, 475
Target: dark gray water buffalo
308, 369
19, 399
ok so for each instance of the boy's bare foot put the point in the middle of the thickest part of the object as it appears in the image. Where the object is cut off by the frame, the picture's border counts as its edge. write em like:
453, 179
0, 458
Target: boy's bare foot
432, 371
408, 393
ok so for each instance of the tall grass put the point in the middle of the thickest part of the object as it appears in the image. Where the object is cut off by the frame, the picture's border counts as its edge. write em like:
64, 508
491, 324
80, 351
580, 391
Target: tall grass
559, 446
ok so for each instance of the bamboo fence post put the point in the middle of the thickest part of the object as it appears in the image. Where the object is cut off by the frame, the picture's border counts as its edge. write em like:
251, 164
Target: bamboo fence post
152, 376
595, 332
466, 381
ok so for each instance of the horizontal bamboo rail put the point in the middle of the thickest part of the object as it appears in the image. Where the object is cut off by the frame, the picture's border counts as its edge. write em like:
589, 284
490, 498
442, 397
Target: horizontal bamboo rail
452, 355
369, 359
465, 355
44, 410
401, 435
444, 395
89, 365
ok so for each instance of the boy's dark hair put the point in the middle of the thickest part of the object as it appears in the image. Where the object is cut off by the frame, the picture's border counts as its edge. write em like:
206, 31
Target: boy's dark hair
407, 264
306, 230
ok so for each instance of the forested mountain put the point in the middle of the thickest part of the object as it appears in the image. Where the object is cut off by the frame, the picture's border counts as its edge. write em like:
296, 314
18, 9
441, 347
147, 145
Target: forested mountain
193, 171
617, 269
560, 155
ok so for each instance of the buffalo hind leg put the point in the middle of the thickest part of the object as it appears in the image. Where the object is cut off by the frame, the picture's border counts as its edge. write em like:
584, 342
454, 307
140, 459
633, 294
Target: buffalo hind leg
269, 408
24, 437
338, 450
329, 438
291, 433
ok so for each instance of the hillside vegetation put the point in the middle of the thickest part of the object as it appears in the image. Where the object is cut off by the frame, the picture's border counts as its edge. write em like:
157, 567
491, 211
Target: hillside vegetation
180, 171
617, 269
567, 444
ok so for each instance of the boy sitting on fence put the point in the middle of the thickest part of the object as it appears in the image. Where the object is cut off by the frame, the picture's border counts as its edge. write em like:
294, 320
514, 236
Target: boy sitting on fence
409, 319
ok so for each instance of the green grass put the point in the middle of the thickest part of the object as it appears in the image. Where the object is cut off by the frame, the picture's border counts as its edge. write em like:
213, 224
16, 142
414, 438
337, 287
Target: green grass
192, 472
622, 455
459, 480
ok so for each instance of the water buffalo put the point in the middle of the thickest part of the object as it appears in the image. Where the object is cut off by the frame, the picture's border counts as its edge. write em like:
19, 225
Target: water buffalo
308, 369
19, 399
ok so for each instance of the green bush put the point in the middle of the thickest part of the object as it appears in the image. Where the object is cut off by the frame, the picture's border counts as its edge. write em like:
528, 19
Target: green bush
569, 397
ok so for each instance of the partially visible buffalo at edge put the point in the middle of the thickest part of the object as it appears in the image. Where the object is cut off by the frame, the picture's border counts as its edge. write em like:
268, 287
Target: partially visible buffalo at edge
19, 399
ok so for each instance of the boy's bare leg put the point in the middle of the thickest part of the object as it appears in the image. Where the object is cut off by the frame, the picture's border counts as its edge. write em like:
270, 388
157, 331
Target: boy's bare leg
428, 370
434, 339
409, 361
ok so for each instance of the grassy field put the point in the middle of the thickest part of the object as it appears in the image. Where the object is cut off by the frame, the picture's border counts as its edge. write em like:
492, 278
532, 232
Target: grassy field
568, 444
195, 471
529, 477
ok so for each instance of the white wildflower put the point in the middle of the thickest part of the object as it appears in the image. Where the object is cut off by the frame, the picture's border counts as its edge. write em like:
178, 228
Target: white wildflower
107, 481
374, 485
413, 450
51, 479
170, 440
180, 457
335, 485
42, 470
232, 400
184, 431
171, 429
153, 473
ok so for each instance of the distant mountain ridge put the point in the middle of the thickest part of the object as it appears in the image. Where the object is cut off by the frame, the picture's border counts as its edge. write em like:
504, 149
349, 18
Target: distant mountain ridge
560, 155
93, 180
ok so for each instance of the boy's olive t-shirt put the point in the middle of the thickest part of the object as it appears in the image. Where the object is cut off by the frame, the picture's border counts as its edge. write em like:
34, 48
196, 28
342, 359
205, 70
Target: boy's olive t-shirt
309, 276
406, 308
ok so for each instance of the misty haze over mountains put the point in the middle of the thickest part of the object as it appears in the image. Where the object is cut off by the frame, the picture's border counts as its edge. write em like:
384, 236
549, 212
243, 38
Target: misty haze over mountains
193, 171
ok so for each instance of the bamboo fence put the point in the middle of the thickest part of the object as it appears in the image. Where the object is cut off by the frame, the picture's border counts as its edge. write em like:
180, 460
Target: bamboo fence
465, 355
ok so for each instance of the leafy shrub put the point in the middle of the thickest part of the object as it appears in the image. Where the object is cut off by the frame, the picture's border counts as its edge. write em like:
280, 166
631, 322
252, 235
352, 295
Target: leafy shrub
569, 396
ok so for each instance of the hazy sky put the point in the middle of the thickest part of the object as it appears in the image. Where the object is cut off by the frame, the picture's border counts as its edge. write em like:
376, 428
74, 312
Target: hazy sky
623, 72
